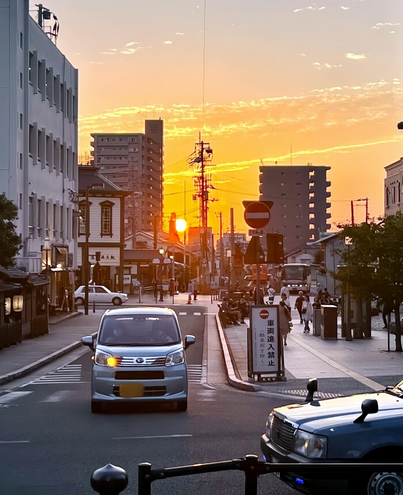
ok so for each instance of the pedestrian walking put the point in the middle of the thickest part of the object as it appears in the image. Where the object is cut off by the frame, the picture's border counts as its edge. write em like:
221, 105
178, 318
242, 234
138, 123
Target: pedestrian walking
195, 289
298, 304
285, 290
307, 312
284, 321
190, 288
286, 301
271, 293
387, 309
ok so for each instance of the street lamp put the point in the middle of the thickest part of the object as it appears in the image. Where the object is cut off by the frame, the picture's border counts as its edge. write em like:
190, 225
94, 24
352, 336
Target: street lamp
85, 253
172, 278
161, 251
47, 248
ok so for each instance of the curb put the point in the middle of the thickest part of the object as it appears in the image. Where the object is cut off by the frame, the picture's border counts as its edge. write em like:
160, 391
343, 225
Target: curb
232, 378
66, 317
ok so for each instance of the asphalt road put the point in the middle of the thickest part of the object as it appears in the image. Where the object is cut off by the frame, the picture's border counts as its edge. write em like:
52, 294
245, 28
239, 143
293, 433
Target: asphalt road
50, 443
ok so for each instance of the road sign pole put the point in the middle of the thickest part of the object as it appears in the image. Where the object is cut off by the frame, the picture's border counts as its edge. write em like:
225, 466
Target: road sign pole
257, 296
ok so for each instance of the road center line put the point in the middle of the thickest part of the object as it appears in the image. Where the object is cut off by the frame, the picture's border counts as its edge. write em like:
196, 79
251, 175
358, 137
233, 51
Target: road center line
14, 441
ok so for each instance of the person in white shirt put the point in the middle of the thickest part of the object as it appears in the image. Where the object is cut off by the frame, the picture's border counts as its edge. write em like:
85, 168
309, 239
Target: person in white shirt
285, 290
307, 312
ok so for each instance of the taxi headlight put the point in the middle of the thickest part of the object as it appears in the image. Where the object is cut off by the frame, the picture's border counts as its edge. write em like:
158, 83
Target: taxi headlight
105, 359
269, 424
309, 445
174, 358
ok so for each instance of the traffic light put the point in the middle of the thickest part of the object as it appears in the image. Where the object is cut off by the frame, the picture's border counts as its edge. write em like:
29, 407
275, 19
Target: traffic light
275, 249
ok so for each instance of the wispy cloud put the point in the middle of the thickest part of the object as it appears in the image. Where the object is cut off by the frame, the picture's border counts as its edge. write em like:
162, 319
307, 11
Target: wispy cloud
310, 7
343, 7
179, 34
326, 66
355, 56
380, 25
167, 42
129, 48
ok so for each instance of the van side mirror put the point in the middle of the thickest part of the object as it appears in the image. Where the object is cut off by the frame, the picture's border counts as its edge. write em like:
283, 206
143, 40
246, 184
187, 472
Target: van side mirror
189, 340
88, 341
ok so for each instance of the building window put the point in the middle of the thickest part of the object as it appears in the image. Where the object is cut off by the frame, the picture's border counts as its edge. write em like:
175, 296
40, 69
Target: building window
106, 218
31, 214
20, 161
21, 40
21, 121
21, 80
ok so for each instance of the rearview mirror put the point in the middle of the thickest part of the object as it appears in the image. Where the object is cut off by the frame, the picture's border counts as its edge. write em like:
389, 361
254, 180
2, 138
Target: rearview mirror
189, 340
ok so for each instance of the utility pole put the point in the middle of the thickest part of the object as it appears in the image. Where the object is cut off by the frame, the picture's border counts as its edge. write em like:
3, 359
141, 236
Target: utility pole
219, 215
202, 158
232, 237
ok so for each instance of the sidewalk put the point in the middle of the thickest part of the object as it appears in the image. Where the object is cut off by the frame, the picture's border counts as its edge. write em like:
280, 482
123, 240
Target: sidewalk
366, 362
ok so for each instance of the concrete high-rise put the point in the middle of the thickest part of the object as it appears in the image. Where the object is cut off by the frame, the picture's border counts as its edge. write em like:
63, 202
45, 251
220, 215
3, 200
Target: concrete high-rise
300, 202
135, 162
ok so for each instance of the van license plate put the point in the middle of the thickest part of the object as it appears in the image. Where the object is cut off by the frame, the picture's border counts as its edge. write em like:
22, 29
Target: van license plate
131, 390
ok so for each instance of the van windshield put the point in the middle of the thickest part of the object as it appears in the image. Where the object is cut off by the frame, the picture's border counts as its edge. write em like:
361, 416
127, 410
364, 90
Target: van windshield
139, 330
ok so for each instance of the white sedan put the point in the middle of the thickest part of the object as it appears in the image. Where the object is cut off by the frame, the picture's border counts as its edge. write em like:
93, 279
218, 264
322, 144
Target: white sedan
99, 294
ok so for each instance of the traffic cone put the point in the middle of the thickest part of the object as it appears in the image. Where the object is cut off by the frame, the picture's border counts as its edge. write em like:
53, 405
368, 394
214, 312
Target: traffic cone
189, 299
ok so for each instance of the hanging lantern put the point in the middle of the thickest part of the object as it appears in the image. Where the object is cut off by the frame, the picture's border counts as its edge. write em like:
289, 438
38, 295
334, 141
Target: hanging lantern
17, 303
7, 305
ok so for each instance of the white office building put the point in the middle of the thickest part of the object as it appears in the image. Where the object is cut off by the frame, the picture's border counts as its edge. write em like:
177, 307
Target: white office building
38, 137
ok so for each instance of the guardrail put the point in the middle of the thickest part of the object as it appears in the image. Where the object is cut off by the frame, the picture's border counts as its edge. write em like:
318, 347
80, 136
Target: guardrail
112, 480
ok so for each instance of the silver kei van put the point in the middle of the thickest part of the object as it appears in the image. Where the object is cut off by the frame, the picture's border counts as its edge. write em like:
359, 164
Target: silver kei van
139, 357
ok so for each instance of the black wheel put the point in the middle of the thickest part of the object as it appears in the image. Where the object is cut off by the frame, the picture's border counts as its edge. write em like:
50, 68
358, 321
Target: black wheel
79, 301
182, 405
378, 483
116, 301
96, 407
385, 483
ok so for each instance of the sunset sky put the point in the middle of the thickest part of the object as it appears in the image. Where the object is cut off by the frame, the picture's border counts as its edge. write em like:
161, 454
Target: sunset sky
286, 81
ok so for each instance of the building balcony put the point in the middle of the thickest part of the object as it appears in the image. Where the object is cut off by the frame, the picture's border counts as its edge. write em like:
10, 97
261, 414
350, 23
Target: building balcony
328, 183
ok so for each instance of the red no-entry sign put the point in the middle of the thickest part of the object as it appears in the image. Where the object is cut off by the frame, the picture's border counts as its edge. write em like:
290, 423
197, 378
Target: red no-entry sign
257, 215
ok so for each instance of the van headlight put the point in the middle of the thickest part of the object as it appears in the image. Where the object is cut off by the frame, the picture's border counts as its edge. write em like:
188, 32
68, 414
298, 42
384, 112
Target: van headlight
105, 359
309, 445
174, 358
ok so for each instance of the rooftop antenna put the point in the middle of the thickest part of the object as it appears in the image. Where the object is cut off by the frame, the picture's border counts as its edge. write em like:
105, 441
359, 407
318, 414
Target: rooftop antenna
44, 14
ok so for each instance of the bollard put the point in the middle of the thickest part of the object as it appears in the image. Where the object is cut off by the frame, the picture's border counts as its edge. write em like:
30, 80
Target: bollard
109, 480
139, 294
93, 307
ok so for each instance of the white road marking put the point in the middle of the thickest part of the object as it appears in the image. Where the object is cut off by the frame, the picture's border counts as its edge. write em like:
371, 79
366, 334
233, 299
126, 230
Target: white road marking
71, 373
13, 441
196, 314
58, 396
148, 437
5, 399
182, 314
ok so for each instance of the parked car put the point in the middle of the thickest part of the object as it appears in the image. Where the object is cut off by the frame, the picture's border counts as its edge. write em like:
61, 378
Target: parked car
99, 294
357, 428
139, 357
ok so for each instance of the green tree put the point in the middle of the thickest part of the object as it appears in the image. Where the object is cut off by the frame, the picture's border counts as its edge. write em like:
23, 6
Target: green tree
10, 242
372, 263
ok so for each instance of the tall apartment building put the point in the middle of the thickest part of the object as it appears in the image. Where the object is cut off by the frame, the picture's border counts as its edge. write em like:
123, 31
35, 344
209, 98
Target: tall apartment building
135, 162
300, 202
38, 138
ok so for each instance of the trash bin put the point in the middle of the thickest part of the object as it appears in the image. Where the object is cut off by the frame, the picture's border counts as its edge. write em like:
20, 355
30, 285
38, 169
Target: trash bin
316, 322
328, 322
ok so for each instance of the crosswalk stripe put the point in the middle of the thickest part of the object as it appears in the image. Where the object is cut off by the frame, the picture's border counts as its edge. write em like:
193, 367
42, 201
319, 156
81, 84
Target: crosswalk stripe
10, 396
71, 373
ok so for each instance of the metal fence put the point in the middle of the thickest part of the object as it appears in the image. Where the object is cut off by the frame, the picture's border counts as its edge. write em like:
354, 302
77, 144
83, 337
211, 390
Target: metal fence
112, 480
